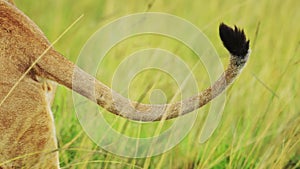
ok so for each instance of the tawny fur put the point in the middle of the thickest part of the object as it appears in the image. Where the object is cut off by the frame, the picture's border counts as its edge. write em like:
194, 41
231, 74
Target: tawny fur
27, 136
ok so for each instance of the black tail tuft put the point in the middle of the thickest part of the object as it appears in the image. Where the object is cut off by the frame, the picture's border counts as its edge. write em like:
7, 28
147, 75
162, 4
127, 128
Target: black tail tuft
234, 40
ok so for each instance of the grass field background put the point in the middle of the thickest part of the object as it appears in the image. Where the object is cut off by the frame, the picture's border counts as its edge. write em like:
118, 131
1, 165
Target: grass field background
260, 124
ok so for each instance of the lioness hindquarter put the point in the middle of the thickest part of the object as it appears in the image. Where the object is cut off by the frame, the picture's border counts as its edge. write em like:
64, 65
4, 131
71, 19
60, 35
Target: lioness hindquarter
27, 138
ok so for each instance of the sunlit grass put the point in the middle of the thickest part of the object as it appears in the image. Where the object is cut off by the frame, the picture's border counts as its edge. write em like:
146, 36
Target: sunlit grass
260, 124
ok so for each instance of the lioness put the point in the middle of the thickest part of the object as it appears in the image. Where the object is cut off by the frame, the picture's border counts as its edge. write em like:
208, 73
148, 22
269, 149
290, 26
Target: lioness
27, 61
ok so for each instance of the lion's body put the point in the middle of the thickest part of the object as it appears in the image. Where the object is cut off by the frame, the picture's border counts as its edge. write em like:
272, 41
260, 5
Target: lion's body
27, 136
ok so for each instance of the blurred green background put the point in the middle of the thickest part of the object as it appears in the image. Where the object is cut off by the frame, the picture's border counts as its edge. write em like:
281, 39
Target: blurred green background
260, 124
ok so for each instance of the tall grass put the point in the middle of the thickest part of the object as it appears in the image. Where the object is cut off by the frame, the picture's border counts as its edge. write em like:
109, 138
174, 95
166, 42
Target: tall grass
260, 124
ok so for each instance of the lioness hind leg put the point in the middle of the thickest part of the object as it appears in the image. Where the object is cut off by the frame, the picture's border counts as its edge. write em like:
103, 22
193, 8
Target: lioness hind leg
27, 131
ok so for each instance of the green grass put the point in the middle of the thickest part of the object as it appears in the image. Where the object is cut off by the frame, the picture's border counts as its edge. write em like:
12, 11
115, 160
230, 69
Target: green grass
260, 124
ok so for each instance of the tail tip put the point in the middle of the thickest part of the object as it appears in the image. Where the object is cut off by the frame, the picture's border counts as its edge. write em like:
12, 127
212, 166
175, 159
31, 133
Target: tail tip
234, 40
